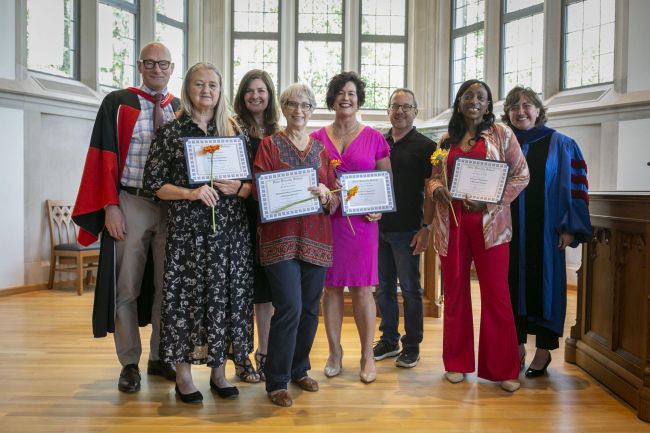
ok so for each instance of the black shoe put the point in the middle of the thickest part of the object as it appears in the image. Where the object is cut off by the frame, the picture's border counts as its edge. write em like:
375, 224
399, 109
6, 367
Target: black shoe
161, 368
531, 372
129, 378
384, 349
408, 358
228, 393
192, 398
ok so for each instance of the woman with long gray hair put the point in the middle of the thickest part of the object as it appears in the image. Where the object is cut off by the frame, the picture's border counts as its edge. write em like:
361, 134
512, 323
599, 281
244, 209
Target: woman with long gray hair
207, 290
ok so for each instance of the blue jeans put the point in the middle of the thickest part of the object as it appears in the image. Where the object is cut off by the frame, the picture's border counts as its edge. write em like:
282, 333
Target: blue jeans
296, 289
397, 261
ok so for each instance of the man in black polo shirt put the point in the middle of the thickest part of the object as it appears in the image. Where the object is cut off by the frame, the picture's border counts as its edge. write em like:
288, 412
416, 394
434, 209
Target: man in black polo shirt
404, 235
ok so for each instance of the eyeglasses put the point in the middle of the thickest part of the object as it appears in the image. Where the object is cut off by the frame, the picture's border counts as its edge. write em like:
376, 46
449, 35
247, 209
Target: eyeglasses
150, 64
405, 107
293, 105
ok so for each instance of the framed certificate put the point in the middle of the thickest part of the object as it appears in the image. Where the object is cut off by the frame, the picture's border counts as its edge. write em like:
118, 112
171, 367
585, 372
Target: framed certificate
229, 161
364, 192
283, 194
479, 179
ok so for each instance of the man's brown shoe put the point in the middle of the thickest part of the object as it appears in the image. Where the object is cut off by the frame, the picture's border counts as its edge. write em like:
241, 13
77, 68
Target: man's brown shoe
307, 383
281, 397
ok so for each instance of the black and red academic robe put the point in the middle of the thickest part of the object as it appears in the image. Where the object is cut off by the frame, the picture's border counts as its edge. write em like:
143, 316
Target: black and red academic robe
99, 187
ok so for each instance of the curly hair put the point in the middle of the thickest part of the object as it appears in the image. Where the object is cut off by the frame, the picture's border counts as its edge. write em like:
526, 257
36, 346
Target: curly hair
338, 82
271, 112
457, 126
513, 97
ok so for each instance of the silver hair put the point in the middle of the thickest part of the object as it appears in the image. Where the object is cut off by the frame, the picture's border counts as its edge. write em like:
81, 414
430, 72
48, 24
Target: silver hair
298, 89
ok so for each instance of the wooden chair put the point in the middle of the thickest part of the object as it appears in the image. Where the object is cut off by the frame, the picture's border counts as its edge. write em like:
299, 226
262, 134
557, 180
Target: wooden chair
66, 255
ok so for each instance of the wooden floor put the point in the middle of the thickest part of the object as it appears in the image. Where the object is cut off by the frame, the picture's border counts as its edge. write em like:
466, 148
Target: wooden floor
56, 378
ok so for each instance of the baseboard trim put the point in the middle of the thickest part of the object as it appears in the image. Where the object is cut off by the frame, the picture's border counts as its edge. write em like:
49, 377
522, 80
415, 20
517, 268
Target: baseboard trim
36, 287
22, 289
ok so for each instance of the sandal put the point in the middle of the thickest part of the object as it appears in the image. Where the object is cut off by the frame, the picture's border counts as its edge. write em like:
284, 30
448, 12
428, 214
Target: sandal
245, 371
260, 363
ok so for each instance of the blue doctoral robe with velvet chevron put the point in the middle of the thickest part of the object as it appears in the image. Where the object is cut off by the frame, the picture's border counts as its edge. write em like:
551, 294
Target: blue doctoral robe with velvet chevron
565, 211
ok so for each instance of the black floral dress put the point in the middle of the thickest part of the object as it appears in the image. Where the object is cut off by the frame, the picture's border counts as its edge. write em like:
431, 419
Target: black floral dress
208, 282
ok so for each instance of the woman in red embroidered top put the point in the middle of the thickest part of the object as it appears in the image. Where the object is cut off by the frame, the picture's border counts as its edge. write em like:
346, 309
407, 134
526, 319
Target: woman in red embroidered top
295, 252
482, 235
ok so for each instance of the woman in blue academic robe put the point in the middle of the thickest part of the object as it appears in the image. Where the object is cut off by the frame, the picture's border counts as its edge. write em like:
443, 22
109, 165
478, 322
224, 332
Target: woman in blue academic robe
549, 215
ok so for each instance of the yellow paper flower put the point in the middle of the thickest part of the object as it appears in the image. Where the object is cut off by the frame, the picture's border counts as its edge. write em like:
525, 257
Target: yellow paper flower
335, 163
438, 155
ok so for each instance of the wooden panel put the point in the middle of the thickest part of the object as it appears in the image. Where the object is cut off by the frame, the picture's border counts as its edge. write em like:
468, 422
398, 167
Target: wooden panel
598, 321
611, 338
631, 312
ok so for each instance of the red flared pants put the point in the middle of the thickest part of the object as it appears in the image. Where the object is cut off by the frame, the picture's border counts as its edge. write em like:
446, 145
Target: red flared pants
498, 354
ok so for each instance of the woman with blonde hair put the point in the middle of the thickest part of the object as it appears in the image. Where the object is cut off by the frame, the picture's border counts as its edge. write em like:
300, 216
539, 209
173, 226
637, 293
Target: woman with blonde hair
207, 291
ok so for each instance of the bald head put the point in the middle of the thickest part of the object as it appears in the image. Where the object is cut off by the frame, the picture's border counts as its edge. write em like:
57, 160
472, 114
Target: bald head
153, 74
156, 46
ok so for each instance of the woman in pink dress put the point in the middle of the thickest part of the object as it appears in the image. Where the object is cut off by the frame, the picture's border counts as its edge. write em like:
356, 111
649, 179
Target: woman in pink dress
358, 148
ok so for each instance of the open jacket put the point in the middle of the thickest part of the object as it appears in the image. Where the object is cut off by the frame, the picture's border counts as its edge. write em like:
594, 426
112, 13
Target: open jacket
501, 145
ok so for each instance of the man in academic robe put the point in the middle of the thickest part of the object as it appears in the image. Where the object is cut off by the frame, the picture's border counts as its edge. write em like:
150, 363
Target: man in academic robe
132, 224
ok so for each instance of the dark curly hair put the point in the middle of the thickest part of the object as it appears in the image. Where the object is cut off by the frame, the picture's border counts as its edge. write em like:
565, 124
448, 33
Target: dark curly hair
513, 97
457, 126
339, 81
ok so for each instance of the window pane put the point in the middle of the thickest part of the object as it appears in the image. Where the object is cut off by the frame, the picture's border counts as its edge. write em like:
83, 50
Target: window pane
320, 16
254, 54
383, 18
469, 64
523, 53
468, 12
174, 39
588, 43
116, 55
313, 70
515, 5
256, 15
174, 9
382, 66
51, 44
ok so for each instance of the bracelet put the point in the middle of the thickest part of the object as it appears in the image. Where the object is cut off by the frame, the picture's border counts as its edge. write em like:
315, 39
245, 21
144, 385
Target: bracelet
241, 184
427, 226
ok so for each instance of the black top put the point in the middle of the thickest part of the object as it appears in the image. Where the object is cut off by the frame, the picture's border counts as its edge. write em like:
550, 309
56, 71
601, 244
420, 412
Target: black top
410, 159
534, 231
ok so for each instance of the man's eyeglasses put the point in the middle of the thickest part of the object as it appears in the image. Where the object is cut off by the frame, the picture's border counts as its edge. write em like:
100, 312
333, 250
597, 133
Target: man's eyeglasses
405, 107
150, 64
293, 105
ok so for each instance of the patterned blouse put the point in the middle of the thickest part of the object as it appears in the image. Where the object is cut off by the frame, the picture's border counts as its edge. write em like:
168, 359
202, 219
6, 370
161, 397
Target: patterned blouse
501, 145
307, 238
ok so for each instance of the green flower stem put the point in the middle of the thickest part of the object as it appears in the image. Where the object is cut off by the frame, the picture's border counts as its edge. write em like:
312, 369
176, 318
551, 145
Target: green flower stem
214, 225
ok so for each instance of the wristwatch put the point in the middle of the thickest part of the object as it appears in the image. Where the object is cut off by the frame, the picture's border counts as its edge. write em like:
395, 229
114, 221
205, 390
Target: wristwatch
426, 226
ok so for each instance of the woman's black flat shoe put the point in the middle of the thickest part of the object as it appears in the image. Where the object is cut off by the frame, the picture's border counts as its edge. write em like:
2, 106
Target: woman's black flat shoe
531, 372
228, 393
192, 398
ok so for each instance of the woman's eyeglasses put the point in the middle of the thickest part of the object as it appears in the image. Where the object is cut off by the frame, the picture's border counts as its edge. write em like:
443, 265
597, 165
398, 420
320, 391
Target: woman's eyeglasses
302, 105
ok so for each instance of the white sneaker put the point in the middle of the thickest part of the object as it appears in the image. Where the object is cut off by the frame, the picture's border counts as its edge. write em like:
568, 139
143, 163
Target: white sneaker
454, 377
510, 385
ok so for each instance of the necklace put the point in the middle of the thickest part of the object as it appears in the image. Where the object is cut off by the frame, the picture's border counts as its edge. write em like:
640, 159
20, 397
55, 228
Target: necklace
467, 145
340, 138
